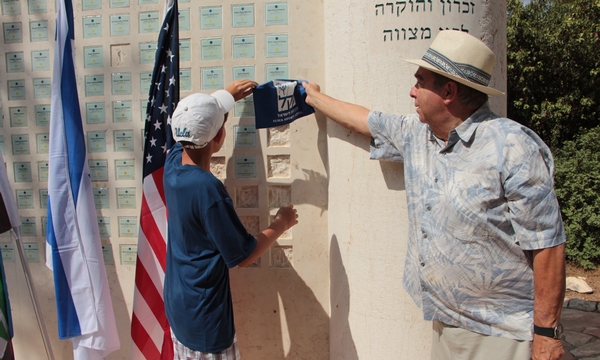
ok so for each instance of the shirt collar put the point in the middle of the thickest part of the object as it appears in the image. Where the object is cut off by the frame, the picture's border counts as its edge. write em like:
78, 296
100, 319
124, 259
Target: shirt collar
466, 130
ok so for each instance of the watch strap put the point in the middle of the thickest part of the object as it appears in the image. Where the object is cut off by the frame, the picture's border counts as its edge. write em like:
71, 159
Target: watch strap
553, 332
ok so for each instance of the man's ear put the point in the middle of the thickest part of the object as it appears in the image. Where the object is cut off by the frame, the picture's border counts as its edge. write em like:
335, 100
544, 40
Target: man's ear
450, 91
220, 135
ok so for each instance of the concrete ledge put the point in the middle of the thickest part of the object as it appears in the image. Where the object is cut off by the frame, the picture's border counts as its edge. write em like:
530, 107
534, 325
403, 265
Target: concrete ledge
580, 304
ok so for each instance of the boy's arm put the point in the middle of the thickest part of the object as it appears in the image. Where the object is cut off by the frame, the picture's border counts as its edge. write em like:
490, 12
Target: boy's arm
350, 116
241, 88
286, 217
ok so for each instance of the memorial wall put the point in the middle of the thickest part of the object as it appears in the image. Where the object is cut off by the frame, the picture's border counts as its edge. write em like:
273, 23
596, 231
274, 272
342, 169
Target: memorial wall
330, 288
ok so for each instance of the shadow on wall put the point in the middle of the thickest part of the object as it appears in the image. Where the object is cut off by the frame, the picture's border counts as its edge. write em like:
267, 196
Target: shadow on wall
342, 342
122, 315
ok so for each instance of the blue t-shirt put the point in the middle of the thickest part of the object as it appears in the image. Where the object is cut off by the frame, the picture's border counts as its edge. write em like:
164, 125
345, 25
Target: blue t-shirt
205, 239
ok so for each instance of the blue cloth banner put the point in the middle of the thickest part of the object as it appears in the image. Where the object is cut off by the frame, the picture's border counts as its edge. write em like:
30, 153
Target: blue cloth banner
279, 102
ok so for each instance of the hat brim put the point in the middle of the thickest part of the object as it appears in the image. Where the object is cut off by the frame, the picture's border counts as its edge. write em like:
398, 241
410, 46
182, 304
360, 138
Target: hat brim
484, 89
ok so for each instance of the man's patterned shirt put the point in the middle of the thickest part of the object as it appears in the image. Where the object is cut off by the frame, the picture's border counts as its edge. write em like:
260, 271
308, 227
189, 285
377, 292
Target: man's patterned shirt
477, 207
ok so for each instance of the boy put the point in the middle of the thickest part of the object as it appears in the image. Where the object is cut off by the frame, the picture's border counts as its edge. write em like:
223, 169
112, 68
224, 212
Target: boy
206, 237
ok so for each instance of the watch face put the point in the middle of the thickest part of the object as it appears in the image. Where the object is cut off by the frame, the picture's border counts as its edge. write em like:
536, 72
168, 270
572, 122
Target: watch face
558, 330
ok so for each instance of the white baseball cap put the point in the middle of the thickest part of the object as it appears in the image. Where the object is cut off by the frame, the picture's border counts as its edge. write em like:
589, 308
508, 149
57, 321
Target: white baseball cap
199, 117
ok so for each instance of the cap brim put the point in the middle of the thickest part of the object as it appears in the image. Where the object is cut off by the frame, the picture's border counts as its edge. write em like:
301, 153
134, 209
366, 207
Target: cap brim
484, 89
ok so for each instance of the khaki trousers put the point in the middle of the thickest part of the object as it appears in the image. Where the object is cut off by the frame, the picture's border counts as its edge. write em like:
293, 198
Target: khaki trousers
452, 343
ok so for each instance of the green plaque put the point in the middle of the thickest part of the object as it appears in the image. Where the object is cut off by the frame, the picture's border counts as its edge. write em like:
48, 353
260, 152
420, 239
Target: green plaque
24, 199
184, 20
212, 78
107, 254
211, 18
122, 111
119, 4
244, 136
8, 252
149, 22
42, 88
125, 169
42, 115
91, 4
123, 140
244, 107
277, 71
28, 229
242, 15
22, 171
94, 85
14, 62
92, 26
38, 30
185, 53
43, 202
40, 60
145, 82
37, 6
185, 80
128, 253
31, 250
16, 90
96, 141
243, 72
101, 200
121, 83
276, 45
18, 116
43, 143
43, 171
126, 198
243, 47
11, 7
119, 24
98, 170
276, 13
94, 113
20, 144
148, 52
13, 32
128, 226
211, 49
104, 227
143, 109
93, 57
147, 2
245, 167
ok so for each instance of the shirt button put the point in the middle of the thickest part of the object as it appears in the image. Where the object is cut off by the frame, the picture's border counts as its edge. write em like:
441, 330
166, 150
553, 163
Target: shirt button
422, 264
428, 208
425, 236
435, 180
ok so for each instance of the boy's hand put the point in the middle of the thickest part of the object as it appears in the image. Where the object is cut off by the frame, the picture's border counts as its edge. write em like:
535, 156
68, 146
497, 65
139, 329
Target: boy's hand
287, 216
241, 88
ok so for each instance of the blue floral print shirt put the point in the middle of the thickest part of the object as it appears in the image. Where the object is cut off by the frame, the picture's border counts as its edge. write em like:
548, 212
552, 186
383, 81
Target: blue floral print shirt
477, 207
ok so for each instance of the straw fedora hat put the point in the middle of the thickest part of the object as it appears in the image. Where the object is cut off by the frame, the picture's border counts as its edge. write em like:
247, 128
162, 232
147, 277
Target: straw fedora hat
460, 57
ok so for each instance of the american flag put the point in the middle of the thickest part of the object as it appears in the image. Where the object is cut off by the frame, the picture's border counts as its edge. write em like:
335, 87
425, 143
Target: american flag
150, 330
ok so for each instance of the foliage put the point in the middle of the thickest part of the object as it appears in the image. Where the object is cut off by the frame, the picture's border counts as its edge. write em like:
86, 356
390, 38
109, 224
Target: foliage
577, 184
554, 66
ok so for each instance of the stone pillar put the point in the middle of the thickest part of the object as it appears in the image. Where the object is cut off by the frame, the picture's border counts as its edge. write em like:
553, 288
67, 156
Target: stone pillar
372, 316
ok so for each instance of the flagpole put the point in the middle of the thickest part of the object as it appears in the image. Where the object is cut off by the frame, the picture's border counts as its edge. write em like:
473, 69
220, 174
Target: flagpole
36, 305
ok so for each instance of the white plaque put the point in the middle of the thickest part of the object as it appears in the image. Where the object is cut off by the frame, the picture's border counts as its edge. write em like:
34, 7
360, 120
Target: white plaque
107, 254
104, 227
128, 254
211, 18
212, 78
42, 115
38, 30
93, 57
128, 227
125, 169
28, 227
242, 15
123, 140
18, 116
43, 143
122, 111
126, 198
40, 60
276, 13
244, 136
24, 199
43, 171
101, 200
15, 62
98, 170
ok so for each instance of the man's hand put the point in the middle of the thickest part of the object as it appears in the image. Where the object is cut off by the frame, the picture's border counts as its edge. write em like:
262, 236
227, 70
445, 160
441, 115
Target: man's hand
239, 89
287, 216
545, 348
311, 88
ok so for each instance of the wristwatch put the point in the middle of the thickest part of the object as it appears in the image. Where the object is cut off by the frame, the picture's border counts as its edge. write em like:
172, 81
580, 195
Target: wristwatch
553, 332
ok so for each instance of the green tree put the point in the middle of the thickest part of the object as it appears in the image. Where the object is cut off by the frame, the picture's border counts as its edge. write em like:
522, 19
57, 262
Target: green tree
553, 63
577, 184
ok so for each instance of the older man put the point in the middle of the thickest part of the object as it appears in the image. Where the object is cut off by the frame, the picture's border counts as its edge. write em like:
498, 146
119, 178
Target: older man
485, 257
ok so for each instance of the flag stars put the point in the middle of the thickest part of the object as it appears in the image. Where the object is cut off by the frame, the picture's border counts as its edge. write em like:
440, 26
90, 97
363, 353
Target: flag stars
163, 108
172, 80
149, 158
153, 142
157, 125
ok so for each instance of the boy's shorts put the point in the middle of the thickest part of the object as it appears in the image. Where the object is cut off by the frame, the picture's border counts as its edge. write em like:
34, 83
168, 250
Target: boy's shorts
181, 352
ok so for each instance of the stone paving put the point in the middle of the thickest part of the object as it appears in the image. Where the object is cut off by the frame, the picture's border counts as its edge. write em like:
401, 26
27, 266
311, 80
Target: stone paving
581, 324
